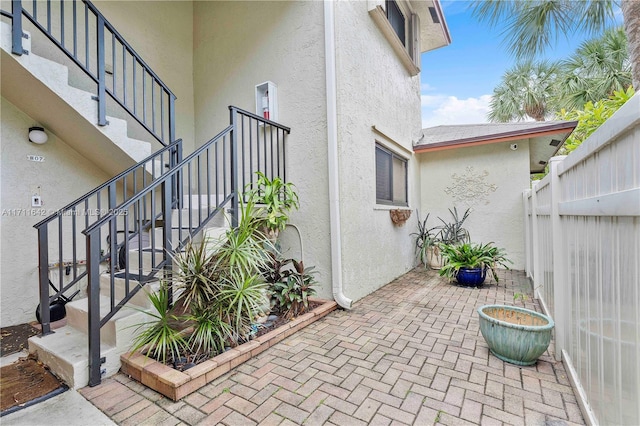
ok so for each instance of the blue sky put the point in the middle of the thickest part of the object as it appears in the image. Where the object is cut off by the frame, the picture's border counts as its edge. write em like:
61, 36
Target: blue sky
457, 80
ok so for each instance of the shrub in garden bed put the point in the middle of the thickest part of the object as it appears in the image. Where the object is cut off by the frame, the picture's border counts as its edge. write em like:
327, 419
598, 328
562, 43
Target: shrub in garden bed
227, 292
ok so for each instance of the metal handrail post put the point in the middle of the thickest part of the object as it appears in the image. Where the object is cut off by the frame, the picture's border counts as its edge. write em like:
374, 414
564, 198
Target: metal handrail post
16, 27
166, 191
234, 167
172, 117
43, 266
102, 85
93, 290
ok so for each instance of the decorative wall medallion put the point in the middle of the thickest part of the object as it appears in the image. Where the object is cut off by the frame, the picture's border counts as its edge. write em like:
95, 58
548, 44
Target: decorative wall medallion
470, 188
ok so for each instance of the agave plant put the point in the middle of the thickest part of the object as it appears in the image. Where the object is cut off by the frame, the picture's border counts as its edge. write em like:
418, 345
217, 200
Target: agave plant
470, 255
160, 338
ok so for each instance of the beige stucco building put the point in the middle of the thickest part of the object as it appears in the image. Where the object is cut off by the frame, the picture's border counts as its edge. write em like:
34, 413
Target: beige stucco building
484, 168
348, 86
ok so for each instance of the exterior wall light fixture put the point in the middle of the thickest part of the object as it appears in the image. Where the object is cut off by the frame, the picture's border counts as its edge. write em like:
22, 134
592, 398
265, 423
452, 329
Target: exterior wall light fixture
37, 135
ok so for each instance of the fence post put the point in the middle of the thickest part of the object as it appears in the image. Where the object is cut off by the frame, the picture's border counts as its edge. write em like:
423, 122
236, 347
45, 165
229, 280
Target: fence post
527, 233
560, 277
16, 27
535, 237
102, 85
93, 292
234, 167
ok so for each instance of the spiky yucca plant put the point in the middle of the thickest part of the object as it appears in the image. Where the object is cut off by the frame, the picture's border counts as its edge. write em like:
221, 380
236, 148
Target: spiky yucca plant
195, 275
160, 338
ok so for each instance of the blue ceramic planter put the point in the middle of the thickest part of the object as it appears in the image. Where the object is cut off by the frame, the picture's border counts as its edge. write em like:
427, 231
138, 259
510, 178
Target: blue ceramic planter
514, 334
471, 277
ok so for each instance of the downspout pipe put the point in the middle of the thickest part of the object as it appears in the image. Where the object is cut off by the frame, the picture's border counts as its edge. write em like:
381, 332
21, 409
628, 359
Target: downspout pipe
332, 142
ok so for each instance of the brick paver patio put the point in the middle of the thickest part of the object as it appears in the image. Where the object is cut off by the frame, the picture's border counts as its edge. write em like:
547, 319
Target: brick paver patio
410, 353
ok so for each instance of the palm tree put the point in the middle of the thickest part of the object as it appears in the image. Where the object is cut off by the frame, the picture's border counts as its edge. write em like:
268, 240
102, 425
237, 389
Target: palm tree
596, 70
631, 15
533, 25
526, 90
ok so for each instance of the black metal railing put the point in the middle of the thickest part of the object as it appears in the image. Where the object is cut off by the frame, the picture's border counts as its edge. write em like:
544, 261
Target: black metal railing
61, 243
213, 177
90, 41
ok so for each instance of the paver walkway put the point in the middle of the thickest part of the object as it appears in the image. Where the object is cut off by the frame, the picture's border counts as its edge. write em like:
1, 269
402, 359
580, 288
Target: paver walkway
410, 353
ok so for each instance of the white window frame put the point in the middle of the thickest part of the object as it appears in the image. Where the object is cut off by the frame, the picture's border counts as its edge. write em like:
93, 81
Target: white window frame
393, 155
409, 52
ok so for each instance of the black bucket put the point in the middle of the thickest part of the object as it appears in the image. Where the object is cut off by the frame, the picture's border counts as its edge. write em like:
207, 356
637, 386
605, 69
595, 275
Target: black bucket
57, 309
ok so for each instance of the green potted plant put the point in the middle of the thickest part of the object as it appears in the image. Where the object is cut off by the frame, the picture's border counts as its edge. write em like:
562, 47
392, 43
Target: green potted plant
428, 240
468, 263
454, 232
278, 198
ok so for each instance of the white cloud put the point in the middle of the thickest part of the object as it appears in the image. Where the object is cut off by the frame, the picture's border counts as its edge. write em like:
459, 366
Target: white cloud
446, 110
425, 87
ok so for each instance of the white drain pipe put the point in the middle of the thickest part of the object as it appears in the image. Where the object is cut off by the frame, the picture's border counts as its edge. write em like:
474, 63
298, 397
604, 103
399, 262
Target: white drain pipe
332, 139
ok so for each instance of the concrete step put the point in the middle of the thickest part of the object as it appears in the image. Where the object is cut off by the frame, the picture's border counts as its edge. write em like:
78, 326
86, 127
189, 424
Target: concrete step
197, 206
140, 299
148, 257
119, 331
66, 353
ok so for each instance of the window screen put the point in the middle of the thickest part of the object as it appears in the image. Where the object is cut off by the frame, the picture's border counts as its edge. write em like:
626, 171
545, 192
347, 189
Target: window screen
391, 177
396, 19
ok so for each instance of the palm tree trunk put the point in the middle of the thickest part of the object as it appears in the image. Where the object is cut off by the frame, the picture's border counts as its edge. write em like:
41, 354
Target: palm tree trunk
631, 16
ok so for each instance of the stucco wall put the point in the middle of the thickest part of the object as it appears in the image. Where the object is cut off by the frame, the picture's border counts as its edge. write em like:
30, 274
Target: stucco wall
374, 89
238, 45
496, 176
61, 178
161, 32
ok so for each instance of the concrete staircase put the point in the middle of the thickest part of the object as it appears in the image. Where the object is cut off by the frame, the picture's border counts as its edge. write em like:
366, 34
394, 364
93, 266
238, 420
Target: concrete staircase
40, 87
66, 350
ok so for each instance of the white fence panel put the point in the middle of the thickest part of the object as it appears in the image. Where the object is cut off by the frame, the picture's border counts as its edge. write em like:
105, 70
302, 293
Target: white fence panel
589, 279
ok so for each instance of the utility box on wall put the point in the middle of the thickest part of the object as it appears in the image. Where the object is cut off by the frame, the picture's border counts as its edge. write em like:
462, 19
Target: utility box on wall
267, 100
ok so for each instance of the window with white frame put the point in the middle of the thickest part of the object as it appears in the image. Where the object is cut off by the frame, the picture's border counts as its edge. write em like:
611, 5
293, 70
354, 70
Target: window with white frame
396, 19
401, 26
391, 177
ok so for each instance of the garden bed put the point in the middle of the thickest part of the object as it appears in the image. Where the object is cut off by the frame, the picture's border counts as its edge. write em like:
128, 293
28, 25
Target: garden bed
176, 384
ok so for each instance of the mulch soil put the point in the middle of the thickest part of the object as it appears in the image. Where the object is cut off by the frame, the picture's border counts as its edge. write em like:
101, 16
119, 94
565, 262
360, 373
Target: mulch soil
14, 338
187, 361
24, 381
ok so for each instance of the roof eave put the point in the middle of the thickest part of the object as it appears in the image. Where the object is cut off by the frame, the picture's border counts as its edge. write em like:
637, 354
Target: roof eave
552, 129
441, 29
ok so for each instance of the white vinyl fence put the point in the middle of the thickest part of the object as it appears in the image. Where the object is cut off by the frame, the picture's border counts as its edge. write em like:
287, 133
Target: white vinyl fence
583, 255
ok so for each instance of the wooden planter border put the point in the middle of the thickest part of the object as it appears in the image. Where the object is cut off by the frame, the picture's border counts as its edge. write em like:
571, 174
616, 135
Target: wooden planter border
176, 384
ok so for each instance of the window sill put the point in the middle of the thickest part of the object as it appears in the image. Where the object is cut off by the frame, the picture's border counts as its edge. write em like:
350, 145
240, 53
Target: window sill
387, 207
380, 19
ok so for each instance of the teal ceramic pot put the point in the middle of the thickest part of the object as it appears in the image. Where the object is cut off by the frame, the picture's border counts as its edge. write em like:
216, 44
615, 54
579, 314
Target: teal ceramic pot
515, 335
